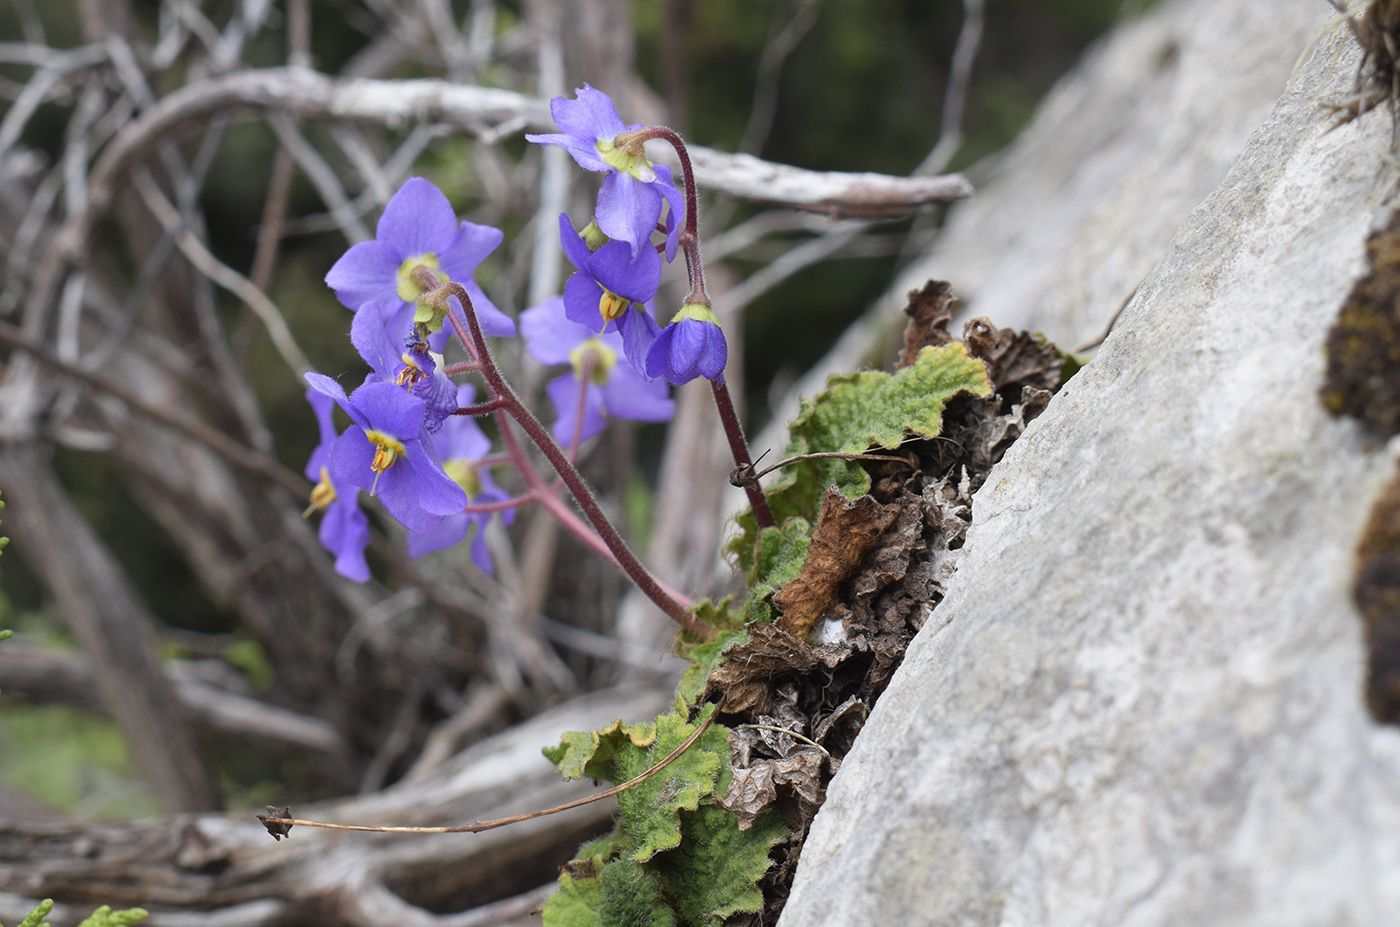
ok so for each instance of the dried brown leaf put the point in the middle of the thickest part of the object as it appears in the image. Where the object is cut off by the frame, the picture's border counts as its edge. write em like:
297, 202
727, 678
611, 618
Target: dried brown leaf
1013, 358
749, 676
845, 533
929, 310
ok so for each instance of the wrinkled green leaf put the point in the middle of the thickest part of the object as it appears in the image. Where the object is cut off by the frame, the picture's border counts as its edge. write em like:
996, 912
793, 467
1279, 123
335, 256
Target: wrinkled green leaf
601, 851
576, 903
651, 810
780, 553
716, 872
631, 897
591, 753
855, 412
703, 658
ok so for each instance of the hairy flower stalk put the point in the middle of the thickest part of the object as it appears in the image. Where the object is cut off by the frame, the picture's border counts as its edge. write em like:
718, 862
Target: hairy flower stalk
474, 340
689, 241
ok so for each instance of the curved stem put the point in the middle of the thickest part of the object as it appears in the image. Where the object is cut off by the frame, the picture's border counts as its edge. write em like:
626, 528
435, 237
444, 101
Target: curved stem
512, 406
690, 242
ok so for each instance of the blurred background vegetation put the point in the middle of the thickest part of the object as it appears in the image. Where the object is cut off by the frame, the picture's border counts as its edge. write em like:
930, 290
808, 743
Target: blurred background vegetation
861, 91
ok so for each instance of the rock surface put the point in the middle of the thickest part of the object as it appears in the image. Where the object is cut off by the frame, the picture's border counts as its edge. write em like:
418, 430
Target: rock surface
1140, 702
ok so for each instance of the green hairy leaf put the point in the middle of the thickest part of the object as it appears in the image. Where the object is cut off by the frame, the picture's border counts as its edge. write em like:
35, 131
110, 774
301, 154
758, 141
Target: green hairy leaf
591, 753
718, 872
779, 555
651, 810
854, 413
576, 904
631, 897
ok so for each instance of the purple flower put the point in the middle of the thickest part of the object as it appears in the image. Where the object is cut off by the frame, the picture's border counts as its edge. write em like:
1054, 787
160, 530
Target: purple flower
390, 454
404, 362
691, 346
612, 286
629, 205
612, 387
462, 444
417, 228
344, 527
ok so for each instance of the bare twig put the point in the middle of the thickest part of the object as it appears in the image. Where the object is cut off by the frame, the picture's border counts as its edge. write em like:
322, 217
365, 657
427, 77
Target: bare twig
950, 131
770, 66
279, 824
224, 276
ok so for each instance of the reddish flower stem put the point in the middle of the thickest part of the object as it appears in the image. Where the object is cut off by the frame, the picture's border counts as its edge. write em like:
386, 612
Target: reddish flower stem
515, 409
690, 242
480, 408
739, 447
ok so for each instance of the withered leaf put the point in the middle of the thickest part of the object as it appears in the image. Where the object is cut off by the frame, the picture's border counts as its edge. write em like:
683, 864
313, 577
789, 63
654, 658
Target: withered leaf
929, 310
747, 680
1013, 359
750, 793
845, 533
895, 549
755, 788
278, 831
842, 724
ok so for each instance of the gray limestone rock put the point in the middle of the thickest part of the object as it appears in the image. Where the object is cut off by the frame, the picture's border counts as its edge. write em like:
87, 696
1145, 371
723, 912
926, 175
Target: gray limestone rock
1140, 703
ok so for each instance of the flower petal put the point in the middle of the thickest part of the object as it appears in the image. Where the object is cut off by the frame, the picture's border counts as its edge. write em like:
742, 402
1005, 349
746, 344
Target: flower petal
592, 115
584, 152
575, 249
628, 395
675, 216
549, 332
401, 493
379, 349
417, 219
481, 553
564, 393
633, 274
436, 492
321, 405
639, 331
452, 530
687, 344
628, 210
328, 387
367, 273
390, 409
715, 353
581, 296
345, 533
471, 245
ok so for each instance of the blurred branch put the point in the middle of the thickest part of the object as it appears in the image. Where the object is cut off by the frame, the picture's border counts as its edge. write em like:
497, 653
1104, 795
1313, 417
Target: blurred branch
108, 618
223, 275
397, 104
950, 132
214, 862
54, 677
780, 45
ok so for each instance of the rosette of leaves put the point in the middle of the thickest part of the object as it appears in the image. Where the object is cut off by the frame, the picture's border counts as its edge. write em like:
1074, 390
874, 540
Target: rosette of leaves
674, 856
